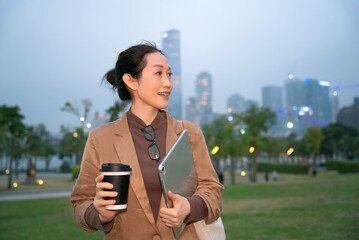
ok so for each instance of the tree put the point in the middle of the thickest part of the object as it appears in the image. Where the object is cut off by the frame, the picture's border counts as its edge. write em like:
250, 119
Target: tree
338, 141
49, 151
222, 133
74, 140
115, 110
349, 116
275, 146
73, 143
356, 146
32, 149
12, 130
257, 121
82, 116
313, 140
36, 146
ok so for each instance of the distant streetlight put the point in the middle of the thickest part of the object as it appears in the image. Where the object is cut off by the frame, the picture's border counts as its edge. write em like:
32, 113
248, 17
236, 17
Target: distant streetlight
88, 125
290, 151
242, 131
40, 182
251, 150
15, 185
243, 173
82, 119
290, 125
215, 150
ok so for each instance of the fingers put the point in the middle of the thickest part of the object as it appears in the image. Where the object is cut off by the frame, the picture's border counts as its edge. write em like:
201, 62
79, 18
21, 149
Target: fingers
173, 217
170, 221
99, 178
172, 196
170, 217
101, 203
103, 194
102, 185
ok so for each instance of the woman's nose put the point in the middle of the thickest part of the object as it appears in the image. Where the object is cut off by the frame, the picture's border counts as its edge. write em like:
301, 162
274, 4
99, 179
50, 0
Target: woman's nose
167, 82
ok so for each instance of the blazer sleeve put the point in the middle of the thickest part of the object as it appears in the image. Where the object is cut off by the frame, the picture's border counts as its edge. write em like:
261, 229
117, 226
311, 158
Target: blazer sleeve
85, 189
209, 188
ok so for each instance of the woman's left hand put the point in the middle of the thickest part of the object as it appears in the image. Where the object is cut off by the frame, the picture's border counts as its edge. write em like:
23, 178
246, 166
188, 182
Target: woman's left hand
174, 217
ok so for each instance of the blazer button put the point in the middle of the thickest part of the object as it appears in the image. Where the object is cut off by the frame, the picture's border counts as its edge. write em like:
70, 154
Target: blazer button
156, 237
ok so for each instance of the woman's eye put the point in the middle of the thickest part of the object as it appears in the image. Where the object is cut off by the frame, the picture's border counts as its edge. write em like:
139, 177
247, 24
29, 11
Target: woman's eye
169, 74
158, 73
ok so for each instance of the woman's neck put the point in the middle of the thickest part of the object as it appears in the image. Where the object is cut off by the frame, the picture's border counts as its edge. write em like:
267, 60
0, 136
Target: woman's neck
146, 114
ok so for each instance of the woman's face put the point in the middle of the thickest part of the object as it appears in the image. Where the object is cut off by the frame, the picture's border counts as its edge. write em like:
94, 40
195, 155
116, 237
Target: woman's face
155, 85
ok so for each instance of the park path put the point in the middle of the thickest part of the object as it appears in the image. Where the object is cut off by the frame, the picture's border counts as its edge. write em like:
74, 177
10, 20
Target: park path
34, 195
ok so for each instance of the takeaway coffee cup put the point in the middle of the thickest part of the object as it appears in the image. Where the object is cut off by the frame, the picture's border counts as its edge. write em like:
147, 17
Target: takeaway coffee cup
119, 176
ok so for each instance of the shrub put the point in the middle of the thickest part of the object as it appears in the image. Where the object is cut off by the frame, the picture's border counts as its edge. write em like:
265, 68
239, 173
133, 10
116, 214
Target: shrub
348, 166
75, 169
65, 167
282, 168
331, 164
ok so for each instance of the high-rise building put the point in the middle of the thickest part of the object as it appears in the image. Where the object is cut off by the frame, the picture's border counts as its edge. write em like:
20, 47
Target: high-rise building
204, 97
317, 97
250, 102
191, 108
236, 104
295, 92
308, 103
335, 105
171, 48
272, 97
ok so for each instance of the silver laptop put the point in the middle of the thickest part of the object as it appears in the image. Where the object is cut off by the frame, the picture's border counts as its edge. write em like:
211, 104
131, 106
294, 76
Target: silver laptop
177, 173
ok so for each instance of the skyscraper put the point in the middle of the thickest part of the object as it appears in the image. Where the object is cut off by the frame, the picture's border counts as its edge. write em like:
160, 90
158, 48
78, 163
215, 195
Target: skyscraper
236, 104
272, 97
204, 97
295, 92
171, 48
317, 97
191, 108
335, 105
308, 103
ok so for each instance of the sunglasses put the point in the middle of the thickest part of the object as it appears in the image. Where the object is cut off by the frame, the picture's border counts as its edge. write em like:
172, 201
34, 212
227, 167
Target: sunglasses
153, 151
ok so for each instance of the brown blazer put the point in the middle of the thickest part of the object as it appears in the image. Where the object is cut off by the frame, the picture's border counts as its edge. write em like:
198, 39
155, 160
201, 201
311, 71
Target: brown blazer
113, 143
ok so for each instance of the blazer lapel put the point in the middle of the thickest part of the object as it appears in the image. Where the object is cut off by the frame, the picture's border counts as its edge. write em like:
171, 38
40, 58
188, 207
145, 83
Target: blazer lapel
174, 129
127, 154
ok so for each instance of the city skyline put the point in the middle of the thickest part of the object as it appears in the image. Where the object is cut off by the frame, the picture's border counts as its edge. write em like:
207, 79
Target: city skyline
49, 58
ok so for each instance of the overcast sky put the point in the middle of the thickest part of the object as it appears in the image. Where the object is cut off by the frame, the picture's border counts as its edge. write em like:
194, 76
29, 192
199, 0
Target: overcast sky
57, 51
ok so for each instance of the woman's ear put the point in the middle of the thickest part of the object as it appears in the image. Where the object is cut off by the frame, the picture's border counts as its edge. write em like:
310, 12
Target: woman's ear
130, 81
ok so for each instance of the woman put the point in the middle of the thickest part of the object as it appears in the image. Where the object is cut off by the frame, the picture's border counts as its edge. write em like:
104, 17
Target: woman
143, 75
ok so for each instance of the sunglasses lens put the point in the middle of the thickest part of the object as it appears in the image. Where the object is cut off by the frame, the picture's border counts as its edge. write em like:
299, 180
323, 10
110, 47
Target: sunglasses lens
153, 152
149, 133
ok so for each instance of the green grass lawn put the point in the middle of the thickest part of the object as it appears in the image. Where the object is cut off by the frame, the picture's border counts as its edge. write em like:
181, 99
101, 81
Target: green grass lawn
322, 207
298, 207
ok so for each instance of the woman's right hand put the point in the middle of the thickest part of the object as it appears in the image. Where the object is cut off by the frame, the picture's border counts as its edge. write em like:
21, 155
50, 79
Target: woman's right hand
100, 203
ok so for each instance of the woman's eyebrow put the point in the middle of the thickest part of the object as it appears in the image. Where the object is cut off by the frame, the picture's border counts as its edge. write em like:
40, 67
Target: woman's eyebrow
161, 66
158, 65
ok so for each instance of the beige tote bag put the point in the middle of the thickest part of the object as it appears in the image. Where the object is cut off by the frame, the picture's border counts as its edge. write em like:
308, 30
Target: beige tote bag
211, 231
